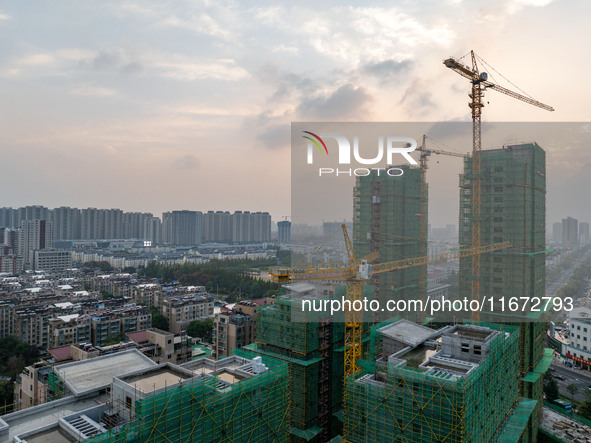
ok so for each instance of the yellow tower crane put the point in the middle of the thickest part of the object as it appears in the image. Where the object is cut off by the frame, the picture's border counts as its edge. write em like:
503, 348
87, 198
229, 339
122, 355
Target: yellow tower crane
480, 83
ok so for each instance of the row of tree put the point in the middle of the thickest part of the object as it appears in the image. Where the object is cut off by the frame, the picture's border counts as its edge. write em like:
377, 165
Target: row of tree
226, 277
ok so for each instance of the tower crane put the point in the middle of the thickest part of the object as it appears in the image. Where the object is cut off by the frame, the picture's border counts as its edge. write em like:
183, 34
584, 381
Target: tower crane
480, 83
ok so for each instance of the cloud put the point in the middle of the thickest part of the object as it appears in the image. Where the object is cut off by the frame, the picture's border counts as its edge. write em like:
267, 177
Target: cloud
276, 136
348, 103
417, 100
5, 16
114, 60
199, 23
93, 91
387, 70
185, 68
186, 162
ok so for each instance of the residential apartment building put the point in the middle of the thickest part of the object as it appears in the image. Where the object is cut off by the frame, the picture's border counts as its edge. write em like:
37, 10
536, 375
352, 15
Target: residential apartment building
34, 235
183, 309
234, 329
69, 330
109, 323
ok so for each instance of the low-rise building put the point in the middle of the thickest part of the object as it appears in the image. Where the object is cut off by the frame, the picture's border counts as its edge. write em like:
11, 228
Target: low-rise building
578, 348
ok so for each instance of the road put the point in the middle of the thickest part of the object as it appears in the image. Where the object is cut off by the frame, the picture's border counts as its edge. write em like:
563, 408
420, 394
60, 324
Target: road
581, 379
552, 286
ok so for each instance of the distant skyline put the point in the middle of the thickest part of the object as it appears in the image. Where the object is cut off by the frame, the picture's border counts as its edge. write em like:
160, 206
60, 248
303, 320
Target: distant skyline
160, 106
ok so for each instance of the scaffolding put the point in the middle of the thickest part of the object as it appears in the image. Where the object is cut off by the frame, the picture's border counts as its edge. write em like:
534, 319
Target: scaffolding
55, 386
394, 403
312, 345
386, 219
205, 410
513, 208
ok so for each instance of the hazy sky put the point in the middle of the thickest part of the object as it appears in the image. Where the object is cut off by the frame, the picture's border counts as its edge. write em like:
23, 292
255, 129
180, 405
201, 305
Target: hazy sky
154, 106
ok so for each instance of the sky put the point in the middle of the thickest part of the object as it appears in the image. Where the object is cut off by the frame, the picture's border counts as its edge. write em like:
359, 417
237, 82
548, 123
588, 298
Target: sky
155, 106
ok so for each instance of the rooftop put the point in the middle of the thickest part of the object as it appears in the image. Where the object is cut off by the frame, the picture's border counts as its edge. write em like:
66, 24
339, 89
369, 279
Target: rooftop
47, 414
97, 373
407, 332
156, 379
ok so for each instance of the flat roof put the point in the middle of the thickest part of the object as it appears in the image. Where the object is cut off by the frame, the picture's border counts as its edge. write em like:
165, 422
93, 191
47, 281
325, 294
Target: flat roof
97, 373
407, 332
152, 381
53, 435
48, 413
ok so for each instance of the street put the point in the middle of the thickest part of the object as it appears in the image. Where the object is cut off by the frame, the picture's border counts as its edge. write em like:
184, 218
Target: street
578, 377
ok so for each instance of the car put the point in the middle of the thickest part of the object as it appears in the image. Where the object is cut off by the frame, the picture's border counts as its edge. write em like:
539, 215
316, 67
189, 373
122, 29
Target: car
559, 377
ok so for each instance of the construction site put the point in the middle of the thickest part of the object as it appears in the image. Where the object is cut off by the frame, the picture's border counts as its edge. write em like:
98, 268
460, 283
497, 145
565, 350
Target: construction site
313, 377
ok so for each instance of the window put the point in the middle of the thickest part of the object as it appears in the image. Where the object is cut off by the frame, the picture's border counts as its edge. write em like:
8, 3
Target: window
477, 350
128, 402
465, 347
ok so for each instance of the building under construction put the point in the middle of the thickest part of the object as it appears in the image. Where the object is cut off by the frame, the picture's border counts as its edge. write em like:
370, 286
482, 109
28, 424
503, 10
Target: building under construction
513, 209
456, 384
390, 217
312, 345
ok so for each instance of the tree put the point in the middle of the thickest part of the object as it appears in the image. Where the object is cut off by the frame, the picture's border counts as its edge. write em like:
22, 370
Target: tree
113, 339
201, 329
550, 387
572, 390
585, 408
159, 321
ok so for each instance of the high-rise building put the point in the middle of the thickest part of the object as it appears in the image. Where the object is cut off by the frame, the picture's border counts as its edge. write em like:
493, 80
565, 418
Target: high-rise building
241, 227
66, 223
182, 228
284, 232
34, 235
557, 232
513, 208
570, 232
386, 219
583, 233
